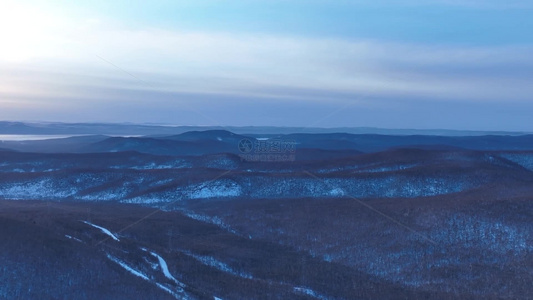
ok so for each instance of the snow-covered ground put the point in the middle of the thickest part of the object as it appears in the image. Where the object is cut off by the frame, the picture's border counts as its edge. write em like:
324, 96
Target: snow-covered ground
158, 182
523, 159
214, 189
38, 189
178, 293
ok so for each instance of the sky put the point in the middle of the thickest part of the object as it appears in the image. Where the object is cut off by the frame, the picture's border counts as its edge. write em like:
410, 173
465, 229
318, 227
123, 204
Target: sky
417, 64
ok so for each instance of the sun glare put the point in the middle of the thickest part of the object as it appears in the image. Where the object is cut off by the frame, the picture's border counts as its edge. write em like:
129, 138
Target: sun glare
26, 32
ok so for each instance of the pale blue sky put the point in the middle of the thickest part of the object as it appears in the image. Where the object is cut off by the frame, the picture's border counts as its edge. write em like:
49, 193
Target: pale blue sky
397, 64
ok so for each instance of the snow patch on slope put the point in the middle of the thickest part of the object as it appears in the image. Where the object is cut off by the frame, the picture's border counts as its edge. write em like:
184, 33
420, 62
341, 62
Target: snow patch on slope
179, 295
164, 288
73, 238
337, 192
127, 268
211, 220
105, 195
104, 230
308, 292
212, 262
164, 267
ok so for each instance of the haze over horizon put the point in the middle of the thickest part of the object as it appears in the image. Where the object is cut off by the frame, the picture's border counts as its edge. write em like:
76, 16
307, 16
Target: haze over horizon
435, 64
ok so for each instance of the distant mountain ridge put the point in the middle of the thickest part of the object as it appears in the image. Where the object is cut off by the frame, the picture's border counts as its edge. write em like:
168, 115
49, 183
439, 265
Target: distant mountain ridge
305, 144
50, 128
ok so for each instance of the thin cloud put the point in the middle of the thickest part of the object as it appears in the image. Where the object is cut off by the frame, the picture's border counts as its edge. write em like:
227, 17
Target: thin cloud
189, 69
202, 62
